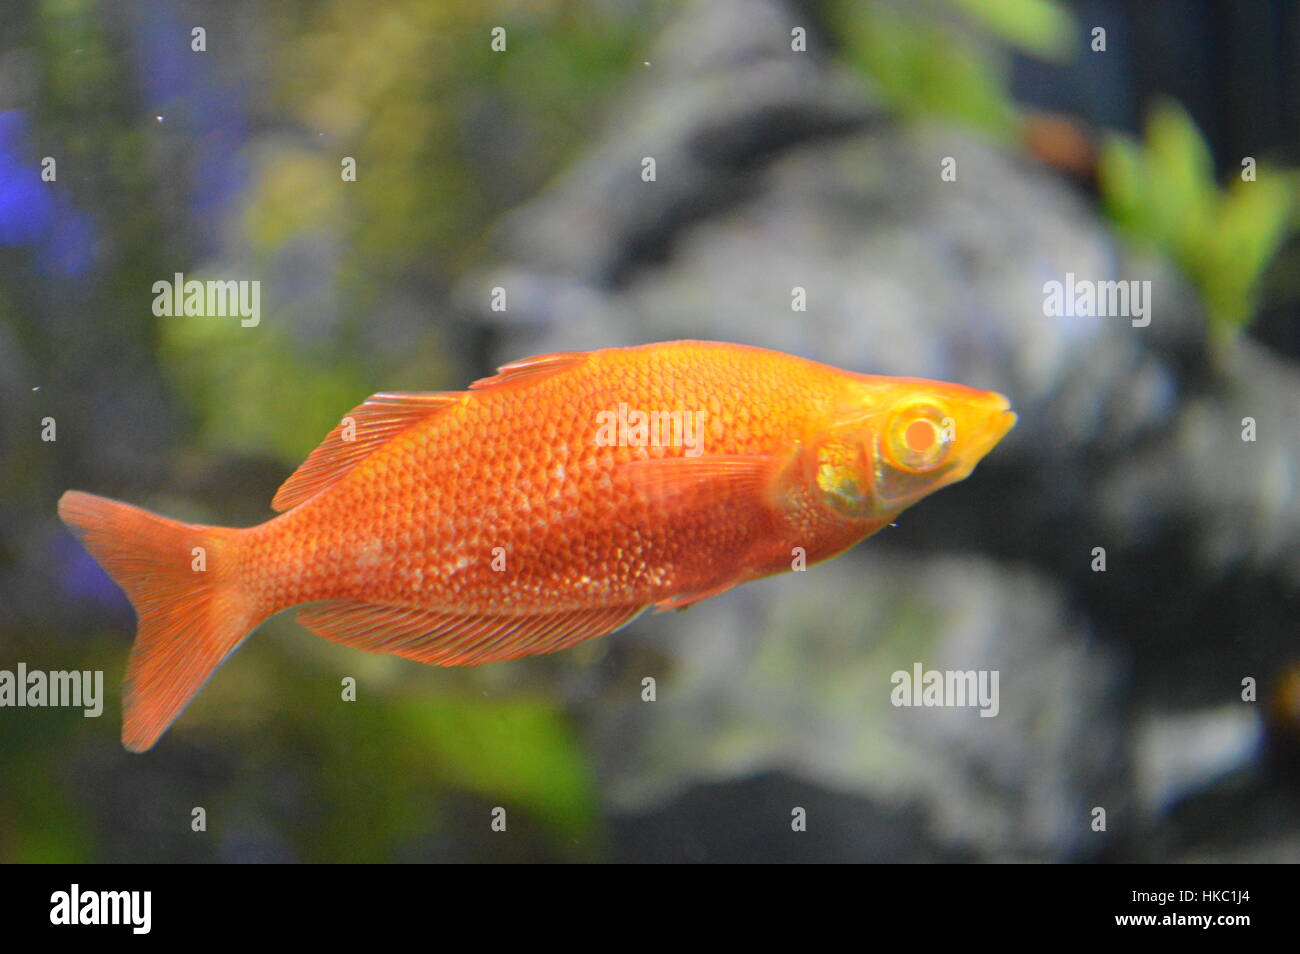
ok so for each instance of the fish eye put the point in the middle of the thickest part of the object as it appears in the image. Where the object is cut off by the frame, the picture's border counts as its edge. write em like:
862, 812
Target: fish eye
919, 439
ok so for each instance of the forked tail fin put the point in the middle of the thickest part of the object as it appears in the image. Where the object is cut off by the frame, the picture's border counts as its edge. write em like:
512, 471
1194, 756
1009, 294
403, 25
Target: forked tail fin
191, 611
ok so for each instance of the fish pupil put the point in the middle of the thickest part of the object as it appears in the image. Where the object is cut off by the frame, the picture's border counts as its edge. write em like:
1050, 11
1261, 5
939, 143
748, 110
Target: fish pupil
920, 436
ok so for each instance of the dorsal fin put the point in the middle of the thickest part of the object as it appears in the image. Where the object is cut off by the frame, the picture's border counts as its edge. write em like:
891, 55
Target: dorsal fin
531, 369
363, 429
383, 416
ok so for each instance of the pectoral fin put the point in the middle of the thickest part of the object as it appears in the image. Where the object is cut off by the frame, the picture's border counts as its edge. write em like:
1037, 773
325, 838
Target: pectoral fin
717, 478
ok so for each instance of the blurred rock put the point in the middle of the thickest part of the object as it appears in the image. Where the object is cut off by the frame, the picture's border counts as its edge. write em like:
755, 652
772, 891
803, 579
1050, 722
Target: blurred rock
1180, 755
795, 676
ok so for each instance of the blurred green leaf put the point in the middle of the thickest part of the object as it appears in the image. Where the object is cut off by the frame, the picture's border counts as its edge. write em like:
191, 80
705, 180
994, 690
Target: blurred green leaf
1254, 220
1122, 174
1041, 27
255, 390
520, 752
924, 68
1162, 192
1183, 196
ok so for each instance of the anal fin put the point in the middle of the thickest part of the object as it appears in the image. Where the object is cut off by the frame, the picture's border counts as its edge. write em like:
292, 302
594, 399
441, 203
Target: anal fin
451, 639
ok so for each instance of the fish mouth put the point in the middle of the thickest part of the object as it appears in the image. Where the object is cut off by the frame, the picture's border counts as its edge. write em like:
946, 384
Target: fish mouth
997, 425
1003, 423
998, 428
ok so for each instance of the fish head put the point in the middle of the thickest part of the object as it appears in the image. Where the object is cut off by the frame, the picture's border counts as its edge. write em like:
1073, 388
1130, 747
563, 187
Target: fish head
896, 440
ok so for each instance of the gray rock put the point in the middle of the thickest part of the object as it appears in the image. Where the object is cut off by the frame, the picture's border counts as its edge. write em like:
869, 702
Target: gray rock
796, 675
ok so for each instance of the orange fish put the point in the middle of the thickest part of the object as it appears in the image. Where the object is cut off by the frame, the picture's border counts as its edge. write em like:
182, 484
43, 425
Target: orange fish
551, 503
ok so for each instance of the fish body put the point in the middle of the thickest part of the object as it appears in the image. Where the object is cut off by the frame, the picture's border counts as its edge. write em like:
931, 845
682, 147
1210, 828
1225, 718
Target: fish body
548, 504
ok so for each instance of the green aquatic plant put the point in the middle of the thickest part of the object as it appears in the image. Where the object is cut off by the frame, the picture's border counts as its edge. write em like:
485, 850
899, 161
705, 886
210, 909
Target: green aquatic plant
1161, 192
949, 57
